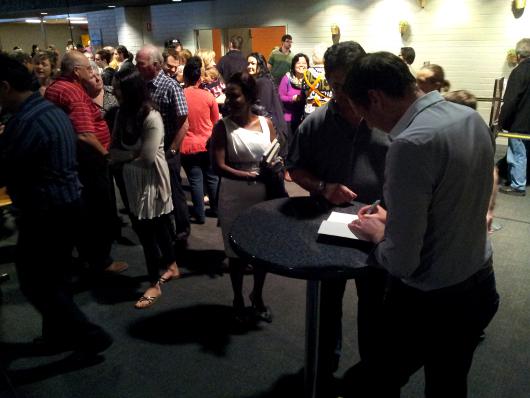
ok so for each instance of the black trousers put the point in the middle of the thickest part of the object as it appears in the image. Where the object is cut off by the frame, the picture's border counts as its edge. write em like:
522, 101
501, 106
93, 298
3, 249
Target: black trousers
97, 226
43, 262
180, 206
155, 237
370, 292
438, 330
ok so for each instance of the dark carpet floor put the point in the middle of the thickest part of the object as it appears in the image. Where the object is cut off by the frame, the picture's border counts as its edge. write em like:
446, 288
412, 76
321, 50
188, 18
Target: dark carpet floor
186, 347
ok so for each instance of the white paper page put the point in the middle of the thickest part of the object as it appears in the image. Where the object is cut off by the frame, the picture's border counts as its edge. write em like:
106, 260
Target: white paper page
344, 218
336, 229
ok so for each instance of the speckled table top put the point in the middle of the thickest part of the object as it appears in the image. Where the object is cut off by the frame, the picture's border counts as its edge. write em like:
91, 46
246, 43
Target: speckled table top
281, 236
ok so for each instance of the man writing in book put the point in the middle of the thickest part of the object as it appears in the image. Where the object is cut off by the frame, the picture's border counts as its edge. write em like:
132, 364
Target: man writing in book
433, 241
336, 157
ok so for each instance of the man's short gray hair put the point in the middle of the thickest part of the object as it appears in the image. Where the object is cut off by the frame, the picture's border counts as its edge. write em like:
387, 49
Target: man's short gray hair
95, 68
69, 62
317, 55
522, 48
155, 56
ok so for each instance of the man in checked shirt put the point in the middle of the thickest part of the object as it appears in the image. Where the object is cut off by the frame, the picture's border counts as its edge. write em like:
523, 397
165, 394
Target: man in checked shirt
169, 97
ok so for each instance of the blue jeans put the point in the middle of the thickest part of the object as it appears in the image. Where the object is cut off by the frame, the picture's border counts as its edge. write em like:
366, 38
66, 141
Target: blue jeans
180, 207
198, 169
516, 158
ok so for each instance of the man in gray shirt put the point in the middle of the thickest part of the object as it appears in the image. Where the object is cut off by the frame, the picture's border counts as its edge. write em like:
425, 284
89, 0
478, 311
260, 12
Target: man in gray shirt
433, 240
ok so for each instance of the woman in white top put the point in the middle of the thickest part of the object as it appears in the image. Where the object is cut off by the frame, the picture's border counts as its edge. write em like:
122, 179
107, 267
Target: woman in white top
239, 141
138, 141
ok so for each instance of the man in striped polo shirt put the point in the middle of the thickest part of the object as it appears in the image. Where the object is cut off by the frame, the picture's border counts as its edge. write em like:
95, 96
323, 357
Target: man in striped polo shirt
38, 166
98, 204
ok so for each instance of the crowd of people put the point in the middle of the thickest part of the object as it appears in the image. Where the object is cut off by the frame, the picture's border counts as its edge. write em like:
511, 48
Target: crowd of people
77, 125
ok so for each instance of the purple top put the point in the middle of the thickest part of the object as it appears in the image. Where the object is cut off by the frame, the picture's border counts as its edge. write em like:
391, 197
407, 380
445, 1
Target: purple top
287, 91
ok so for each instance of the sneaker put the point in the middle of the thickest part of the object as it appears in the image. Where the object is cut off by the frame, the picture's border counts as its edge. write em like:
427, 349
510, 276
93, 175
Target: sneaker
512, 191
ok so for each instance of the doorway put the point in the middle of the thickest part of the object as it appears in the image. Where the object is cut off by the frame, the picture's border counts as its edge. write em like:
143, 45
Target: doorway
259, 39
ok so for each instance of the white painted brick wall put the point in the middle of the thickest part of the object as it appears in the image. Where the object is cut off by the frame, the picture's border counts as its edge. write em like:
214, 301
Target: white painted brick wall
102, 24
469, 38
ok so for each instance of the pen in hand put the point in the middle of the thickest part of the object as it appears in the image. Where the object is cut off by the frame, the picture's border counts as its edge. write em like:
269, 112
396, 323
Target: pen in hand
373, 206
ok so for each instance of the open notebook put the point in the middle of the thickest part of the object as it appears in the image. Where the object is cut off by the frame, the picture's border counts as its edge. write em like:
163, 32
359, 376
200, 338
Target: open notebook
337, 225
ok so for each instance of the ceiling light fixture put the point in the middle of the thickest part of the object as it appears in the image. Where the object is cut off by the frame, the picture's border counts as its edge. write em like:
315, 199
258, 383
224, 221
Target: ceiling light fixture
78, 22
33, 21
111, 6
43, 13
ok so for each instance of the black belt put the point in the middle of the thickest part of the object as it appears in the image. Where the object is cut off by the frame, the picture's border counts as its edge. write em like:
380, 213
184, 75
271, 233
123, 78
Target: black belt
474, 280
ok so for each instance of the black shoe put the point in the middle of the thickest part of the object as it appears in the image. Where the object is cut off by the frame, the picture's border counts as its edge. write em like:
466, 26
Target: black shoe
94, 342
210, 213
512, 191
196, 220
122, 240
261, 311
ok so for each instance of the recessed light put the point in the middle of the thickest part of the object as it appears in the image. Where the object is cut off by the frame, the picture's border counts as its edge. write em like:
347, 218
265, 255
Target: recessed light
176, 1
111, 6
43, 13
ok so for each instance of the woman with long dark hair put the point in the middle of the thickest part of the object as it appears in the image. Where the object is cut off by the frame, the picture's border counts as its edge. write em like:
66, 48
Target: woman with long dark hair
267, 94
239, 142
290, 90
138, 141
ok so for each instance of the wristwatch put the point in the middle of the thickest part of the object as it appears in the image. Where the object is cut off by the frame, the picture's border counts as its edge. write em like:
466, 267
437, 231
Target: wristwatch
320, 187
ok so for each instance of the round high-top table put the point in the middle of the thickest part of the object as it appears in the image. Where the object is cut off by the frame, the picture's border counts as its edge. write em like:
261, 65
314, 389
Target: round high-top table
281, 236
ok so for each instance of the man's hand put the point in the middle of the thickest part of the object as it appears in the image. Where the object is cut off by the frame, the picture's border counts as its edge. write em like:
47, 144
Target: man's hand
489, 221
2, 128
91, 139
378, 213
338, 194
370, 227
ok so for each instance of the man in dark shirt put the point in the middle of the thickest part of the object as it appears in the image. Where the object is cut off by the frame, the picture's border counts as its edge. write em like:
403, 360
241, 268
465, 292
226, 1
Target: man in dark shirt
515, 117
337, 158
233, 61
38, 166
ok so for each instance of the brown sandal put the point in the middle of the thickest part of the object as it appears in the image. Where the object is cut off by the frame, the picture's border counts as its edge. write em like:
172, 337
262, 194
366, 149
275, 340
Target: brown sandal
148, 300
163, 279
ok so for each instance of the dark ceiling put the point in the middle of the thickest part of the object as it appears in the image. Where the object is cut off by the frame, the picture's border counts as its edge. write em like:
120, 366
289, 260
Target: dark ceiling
30, 8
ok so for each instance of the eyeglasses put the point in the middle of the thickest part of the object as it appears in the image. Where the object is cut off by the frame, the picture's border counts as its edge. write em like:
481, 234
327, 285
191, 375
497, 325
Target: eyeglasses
87, 67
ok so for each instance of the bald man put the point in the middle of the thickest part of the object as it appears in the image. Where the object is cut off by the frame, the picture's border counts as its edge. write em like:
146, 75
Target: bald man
98, 206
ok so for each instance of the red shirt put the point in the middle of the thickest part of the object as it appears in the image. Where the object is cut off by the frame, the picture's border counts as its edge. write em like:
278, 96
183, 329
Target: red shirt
203, 113
84, 114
